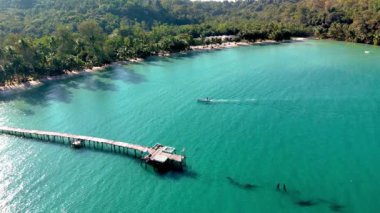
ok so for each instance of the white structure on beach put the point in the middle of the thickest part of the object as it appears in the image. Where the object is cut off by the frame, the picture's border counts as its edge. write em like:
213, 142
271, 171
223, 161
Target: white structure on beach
215, 0
223, 37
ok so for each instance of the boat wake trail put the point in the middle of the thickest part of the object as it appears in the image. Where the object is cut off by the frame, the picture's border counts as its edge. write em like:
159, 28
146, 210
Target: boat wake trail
231, 101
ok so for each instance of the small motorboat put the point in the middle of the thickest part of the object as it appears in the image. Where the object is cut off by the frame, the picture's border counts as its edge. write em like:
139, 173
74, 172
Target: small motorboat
204, 100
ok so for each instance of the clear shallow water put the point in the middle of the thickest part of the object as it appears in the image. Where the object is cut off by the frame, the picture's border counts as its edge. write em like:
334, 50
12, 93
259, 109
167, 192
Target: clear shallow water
305, 114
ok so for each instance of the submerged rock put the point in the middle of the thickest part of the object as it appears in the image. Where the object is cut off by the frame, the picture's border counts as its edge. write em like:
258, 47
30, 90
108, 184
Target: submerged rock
306, 203
247, 186
336, 207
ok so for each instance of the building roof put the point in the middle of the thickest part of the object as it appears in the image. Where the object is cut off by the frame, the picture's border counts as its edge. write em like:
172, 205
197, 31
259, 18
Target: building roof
160, 158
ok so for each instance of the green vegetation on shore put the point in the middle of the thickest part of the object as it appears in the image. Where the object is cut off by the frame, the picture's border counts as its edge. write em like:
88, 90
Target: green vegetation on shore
45, 37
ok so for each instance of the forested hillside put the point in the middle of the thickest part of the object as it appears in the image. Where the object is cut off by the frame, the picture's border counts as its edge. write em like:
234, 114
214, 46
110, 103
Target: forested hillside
46, 37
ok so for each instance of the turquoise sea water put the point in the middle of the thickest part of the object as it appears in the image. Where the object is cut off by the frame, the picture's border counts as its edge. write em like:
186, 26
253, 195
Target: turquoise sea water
305, 114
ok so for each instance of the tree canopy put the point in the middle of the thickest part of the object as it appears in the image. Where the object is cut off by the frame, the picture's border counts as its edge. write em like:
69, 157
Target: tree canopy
46, 37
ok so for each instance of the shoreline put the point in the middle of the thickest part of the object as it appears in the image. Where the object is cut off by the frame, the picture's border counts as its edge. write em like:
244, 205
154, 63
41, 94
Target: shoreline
233, 44
220, 46
67, 74
7, 89
34, 83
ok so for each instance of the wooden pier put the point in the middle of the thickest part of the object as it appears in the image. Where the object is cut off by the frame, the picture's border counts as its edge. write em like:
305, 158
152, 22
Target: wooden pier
159, 156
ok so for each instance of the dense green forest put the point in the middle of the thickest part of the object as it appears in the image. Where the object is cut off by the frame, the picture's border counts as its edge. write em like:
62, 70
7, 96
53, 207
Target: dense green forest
46, 37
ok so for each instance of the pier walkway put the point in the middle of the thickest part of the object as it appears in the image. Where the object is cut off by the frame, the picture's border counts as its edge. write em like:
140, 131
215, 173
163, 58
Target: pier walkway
158, 155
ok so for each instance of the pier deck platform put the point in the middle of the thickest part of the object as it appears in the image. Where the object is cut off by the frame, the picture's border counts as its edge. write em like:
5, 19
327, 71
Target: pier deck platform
157, 155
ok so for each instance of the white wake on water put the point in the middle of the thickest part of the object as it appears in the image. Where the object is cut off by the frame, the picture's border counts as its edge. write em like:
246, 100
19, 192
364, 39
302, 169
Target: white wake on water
237, 101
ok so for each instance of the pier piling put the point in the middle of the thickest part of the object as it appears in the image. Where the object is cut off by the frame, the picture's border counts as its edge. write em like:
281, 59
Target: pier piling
158, 156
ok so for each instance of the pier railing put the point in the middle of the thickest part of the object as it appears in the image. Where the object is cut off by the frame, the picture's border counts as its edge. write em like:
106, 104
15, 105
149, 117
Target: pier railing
158, 155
